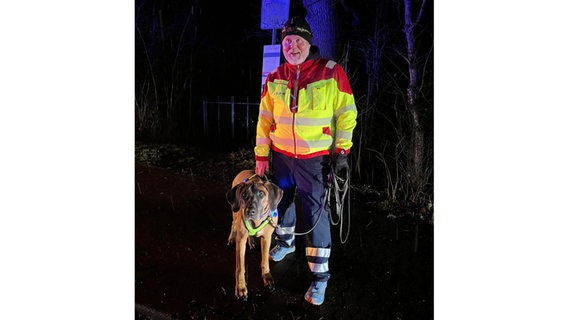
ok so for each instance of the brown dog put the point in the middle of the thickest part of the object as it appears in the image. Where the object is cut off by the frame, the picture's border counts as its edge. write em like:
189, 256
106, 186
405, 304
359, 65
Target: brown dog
253, 202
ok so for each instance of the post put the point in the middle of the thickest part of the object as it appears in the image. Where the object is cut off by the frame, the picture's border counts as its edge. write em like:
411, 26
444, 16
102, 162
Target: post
273, 36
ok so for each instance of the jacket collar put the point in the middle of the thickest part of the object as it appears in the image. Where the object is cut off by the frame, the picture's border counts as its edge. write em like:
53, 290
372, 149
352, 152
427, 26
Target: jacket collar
310, 60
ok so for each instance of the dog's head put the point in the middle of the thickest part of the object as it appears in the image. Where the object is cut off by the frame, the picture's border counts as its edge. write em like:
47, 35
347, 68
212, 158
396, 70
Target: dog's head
255, 198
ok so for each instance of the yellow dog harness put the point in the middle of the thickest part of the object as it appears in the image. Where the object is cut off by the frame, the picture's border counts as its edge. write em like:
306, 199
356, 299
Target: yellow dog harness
253, 231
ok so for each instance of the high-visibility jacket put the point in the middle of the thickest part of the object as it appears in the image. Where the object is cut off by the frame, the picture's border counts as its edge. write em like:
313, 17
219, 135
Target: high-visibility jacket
319, 121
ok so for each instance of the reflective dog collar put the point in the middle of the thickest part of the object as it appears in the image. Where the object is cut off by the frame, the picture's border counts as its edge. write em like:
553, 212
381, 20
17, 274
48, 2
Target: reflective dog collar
253, 231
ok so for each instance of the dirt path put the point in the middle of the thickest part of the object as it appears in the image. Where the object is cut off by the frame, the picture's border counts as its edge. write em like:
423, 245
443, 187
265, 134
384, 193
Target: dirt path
184, 270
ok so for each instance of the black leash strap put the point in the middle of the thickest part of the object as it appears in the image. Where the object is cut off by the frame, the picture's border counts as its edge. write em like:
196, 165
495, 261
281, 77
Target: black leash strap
340, 190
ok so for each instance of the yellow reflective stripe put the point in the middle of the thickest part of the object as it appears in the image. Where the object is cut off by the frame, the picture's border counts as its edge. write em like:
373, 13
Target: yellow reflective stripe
283, 120
287, 142
308, 130
262, 140
342, 110
343, 135
318, 143
265, 119
313, 121
264, 113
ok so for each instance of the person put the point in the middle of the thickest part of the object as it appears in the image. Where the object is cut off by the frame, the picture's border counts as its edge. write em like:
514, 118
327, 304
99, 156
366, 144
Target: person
307, 115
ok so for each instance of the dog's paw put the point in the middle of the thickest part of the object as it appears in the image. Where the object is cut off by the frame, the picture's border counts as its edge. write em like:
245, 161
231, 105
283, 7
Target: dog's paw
241, 292
268, 281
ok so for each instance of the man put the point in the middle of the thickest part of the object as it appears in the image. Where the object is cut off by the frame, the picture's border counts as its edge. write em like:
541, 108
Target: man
307, 114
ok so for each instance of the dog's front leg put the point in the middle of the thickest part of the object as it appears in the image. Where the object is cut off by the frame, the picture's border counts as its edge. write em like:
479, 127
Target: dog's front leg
264, 264
240, 286
233, 232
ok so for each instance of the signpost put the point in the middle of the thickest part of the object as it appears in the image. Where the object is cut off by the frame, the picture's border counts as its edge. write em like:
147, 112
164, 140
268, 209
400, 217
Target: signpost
272, 16
270, 60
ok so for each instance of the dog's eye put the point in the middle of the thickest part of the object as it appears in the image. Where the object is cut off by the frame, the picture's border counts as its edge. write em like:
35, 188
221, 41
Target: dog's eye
261, 195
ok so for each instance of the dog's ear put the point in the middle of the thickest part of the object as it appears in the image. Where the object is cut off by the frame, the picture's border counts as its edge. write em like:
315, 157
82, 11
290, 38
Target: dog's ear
274, 195
233, 197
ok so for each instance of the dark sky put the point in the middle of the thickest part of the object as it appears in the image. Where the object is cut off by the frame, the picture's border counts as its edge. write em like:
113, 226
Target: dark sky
229, 43
234, 45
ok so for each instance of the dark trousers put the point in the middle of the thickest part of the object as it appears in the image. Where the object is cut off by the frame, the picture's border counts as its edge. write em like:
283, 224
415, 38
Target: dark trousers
307, 176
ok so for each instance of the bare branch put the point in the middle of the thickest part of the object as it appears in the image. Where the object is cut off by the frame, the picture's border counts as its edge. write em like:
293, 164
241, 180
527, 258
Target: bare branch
419, 13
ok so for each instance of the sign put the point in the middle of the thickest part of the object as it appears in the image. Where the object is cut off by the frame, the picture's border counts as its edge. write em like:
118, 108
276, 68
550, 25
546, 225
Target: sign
273, 14
270, 60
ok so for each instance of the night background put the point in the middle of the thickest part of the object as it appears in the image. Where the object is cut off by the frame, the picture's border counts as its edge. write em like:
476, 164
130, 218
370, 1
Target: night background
195, 67
190, 55
124, 123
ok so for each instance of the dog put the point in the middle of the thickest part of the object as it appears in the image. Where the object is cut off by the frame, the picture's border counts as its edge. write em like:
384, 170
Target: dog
253, 202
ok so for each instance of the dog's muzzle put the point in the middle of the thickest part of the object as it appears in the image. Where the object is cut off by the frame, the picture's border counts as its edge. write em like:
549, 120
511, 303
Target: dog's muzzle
255, 203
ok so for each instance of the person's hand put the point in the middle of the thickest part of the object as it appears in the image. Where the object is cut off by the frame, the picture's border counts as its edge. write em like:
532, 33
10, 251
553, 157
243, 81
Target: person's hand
340, 163
261, 167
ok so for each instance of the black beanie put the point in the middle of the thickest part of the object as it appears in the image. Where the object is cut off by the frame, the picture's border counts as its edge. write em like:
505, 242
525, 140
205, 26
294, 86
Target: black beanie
299, 27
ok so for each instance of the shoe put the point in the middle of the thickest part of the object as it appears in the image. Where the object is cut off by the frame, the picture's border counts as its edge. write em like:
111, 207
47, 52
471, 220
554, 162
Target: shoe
279, 252
316, 292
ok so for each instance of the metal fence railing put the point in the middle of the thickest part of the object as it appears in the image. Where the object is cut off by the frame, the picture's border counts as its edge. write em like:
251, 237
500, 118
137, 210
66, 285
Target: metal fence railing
229, 119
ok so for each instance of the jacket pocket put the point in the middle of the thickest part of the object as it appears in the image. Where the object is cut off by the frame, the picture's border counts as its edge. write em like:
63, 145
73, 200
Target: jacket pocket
318, 92
279, 93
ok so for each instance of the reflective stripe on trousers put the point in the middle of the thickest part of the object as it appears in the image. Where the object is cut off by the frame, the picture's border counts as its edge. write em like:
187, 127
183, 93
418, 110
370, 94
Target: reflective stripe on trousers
318, 259
285, 235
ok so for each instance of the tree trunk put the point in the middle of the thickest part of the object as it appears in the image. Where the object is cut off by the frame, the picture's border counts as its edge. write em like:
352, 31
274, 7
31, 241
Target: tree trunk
322, 19
417, 143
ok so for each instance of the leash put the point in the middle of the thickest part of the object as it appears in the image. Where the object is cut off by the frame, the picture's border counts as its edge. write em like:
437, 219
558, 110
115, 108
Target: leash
339, 193
247, 179
315, 224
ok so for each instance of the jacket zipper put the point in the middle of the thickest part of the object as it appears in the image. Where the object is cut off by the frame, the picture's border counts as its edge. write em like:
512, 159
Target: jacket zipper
294, 108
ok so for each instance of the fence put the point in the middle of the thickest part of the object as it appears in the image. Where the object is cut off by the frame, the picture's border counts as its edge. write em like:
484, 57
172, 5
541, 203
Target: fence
229, 121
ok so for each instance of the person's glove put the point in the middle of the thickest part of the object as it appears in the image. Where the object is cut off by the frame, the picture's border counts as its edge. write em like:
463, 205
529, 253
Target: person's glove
261, 167
340, 163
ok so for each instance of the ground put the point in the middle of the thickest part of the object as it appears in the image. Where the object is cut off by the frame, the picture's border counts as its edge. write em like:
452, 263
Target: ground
184, 270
